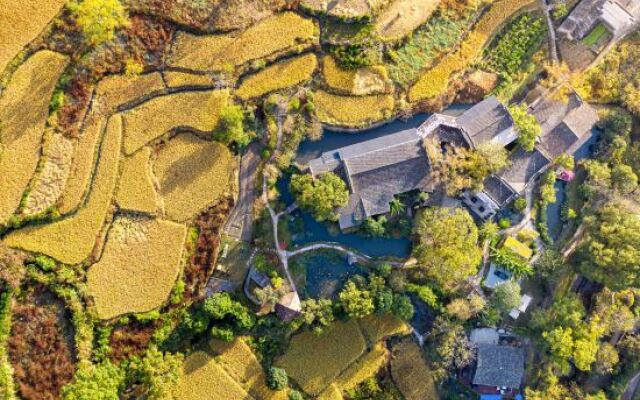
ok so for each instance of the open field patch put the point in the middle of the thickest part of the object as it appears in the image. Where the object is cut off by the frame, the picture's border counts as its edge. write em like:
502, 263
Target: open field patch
273, 36
22, 21
278, 76
136, 191
314, 361
176, 79
364, 367
24, 108
403, 16
360, 82
435, 81
353, 111
138, 267
344, 9
411, 373
72, 239
332, 392
192, 173
378, 327
116, 90
205, 379
196, 110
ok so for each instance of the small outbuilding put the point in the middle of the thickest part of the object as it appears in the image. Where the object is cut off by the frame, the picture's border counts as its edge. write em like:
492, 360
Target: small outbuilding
289, 307
499, 369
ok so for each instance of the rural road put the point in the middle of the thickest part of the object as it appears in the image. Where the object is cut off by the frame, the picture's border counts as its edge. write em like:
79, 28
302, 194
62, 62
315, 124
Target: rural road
632, 387
240, 223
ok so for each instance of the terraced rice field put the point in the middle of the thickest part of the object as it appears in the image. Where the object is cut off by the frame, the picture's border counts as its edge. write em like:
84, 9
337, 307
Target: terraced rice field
136, 191
205, 379
117, 90
376, 328
411, 373
365, 367
138, 267
72, 240
192, 173
286, 32
353, 111
197, 110
403, 16
24, 108
180, 79
278, 76
360, 82
435, 81
332, 392
22, 21
314, 361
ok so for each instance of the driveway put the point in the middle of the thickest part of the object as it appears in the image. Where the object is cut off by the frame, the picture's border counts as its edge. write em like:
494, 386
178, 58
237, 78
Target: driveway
240, 223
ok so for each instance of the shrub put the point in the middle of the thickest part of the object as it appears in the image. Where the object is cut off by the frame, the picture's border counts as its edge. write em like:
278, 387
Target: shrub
295, 395
504, 223
321, 196
402, 307
520, 204
526, 125
277, 378
352, 56
99, 19
230, 127
102, 381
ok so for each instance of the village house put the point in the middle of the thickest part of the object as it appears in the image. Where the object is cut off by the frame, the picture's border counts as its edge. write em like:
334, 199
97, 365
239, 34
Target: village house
618, 16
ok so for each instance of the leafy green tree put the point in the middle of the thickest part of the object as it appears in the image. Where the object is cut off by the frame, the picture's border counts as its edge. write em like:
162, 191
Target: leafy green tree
102, 381
230, 127
425, 293
375, 226
277, 379
402, 307
514, 263
447, 248
623, 179
317, 313
606, 359
295, 395
99, 19
526, 125
505, 297
356, 302
449, 348
158, 373
520, 204
566, 161
321, 196
397, 206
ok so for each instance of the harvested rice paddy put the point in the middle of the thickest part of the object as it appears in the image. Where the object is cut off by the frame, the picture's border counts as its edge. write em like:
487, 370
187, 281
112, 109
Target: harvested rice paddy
286, 32
278, 76
351, 110
198, 110
24, 108
378, 327
411, 373
205, 379
136, 191
360, 82
117, 90
72, 240
314, 361
138, 267
22, 21
344, 9
365, 367
180, 79
403, 16
192, 173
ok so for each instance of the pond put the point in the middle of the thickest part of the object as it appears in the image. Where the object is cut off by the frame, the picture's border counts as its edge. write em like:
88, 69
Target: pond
324, 273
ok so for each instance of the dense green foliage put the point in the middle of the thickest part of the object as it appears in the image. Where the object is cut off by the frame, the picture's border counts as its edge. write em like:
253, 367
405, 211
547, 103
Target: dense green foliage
527, 126
353, 56
277, 378
321, 196
230, 127
102, 381
99, 19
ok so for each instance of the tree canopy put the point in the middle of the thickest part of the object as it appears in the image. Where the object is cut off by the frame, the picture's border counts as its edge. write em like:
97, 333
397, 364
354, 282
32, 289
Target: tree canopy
99, 19
527, 127
321, 196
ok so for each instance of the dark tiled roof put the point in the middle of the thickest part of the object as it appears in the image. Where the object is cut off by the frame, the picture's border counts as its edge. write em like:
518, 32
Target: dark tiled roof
486, 121
550, 112
499, 366
558, 140
523, 167
498, 190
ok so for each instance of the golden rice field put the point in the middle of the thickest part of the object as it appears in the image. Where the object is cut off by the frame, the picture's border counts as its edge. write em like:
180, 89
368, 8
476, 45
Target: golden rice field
332, 392
22, 21
192, 173
360, 82
72, 239
276, 35
376, 327
205, 379
353, 111
24, 107
239, 361
139, 265
135, 190
196, 110
180, 79
364, 367
411, 373
314, 361
436, 80
83, 163
402, 17
344, 9
116, 90
278, 76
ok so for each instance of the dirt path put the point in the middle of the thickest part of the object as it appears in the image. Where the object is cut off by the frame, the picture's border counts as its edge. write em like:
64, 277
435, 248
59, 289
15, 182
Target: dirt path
632, 388
553, 44
240, 223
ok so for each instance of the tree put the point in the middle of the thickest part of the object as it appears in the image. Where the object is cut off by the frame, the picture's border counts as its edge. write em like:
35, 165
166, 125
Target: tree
520, 204
606, 359
624, 179
526, 125
447, 248
317, 313
450, 347
277, 379
230, 127
295, 395
424, 293
465, 309
102, 381
357, 303
396, 206
402, 307
566, 161
549, 262
610, 252
505, 297
375, 226
511, 261
99, 19
321, 196
159, 373
269, 296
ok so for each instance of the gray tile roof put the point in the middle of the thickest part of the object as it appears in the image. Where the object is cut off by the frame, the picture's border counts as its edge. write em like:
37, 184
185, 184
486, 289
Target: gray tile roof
524, 166
618, 15
488, 121
498, 190
499, 366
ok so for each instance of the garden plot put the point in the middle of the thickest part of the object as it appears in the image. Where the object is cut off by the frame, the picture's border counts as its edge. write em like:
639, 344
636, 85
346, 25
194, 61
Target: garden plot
435, 81
344, 9
403, 16
314, 361
280, 34
360, 82
353, 111
24, 108
117, 90
411, 373
136, 191
205, 379
138, 267
196, 110
71, 240
278, 76
192, 173
22, 21
378, 327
